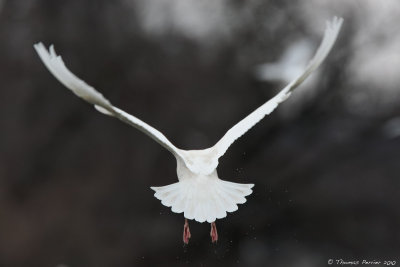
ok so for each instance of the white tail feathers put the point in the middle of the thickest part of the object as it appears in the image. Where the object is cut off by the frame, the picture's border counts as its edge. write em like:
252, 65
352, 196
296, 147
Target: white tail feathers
203, 200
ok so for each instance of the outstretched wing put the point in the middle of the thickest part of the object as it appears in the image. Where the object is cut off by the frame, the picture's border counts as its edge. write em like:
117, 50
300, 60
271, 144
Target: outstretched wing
331, 32
56, 66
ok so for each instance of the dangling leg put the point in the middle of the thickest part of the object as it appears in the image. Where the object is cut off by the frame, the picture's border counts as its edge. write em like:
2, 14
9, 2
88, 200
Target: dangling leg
214, 233
186, 232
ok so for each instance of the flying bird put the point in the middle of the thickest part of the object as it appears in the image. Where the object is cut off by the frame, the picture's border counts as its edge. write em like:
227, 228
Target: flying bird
199, 193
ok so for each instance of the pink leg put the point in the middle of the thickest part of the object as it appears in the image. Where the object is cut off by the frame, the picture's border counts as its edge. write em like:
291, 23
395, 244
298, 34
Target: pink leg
186, 232
214, 233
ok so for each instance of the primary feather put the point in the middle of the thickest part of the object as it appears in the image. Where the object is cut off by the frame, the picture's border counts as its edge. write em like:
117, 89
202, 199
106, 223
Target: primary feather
56, 66
331, 32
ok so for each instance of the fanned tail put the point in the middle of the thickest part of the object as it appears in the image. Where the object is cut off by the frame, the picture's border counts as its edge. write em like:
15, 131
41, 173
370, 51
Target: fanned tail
203, 199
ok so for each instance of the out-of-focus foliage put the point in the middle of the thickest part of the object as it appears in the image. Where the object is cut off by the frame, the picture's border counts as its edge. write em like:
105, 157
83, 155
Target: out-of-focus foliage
74, 184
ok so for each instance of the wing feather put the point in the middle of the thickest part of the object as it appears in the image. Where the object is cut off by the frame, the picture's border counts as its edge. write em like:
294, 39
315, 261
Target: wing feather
56, 66
330, 35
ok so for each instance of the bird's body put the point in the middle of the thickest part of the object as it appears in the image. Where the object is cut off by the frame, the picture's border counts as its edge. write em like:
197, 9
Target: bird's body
199, 193
201, 196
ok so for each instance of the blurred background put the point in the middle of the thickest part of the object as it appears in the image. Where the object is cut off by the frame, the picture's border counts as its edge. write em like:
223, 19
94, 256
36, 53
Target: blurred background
75, 184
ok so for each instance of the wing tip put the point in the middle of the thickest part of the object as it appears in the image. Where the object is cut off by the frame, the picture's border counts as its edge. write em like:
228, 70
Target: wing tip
333, 26
40, 48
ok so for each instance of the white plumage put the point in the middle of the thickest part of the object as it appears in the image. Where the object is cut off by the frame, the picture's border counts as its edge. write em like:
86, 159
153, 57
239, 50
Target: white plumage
199, 193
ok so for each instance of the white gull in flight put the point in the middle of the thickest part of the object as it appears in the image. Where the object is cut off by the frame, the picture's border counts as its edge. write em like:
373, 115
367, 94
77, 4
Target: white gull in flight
199, 193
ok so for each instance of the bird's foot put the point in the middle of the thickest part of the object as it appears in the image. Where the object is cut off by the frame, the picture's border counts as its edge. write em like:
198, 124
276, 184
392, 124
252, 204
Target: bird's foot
186, 232
214, 233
